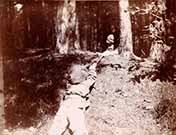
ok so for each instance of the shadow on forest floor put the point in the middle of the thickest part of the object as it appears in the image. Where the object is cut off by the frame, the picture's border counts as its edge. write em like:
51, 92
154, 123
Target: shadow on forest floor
32, 86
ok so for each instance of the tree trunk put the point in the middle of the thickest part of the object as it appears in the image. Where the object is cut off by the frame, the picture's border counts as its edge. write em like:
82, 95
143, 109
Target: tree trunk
1, 93
66, 27
2, 120
158, 32
125, 48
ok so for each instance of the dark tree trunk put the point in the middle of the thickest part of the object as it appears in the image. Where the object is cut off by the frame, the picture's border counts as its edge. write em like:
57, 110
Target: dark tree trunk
148, 26
2, 120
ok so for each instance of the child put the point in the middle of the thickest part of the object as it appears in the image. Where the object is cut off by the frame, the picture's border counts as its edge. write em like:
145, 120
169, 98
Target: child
110, 42
70, 115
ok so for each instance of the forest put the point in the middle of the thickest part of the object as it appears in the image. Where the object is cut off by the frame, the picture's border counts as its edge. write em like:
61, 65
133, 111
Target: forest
40, 40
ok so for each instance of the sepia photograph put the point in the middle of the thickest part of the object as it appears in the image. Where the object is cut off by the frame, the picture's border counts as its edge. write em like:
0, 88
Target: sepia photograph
87, 67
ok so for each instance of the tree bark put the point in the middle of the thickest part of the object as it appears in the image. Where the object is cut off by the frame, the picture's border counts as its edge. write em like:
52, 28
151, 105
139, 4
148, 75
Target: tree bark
125, 48
2, 120
66, 27
1, 93
158, 32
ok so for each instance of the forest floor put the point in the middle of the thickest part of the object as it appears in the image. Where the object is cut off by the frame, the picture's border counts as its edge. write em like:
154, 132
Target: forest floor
123, 102
123, 106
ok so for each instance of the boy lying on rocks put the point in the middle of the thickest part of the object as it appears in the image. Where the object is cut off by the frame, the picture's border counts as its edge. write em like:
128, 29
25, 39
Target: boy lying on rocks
70, 115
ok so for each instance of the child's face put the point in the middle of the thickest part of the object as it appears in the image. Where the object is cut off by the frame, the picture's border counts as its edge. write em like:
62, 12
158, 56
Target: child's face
78, 73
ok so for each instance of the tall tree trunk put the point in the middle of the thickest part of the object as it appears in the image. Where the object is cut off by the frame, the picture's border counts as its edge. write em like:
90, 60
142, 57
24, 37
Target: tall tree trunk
1, 92
77, 40
126, 45
158, 32
66, 27
2, 120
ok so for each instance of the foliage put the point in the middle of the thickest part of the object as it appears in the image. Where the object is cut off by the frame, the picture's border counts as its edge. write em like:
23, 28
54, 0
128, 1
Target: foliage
34, 86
